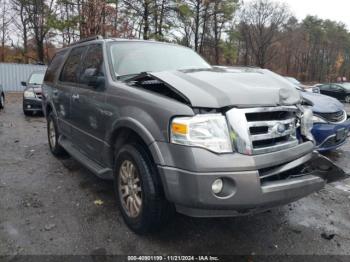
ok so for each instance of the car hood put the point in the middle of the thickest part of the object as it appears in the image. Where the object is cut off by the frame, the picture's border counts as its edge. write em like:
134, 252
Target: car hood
35, 88
322, 103
240, 87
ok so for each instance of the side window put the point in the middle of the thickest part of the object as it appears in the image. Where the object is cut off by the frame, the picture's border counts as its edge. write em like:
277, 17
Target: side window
70, 71
325, 87
93, 63
337, 88
55, 64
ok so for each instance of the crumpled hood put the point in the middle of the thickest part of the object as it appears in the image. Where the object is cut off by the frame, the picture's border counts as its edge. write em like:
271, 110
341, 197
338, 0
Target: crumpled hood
240, 87
323, 103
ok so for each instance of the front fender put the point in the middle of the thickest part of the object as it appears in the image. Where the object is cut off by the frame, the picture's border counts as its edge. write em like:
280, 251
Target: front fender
134, 125
142, 131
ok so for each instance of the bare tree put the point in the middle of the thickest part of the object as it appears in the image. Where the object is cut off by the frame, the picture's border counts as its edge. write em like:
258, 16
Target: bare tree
40, 16
21, 23
263, 20
5, 21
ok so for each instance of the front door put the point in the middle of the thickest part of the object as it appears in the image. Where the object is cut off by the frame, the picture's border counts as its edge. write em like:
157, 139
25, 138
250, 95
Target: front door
338, 91
88, 102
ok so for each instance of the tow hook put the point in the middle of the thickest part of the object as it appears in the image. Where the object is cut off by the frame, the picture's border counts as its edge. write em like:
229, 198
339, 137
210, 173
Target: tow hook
327, 169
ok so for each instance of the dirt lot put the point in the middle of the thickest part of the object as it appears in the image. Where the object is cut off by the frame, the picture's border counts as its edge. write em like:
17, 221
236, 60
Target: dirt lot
48, 206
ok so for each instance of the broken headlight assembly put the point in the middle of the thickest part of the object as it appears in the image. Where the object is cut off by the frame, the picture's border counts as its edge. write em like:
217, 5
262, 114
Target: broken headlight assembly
317, 119
209, 131
306, 123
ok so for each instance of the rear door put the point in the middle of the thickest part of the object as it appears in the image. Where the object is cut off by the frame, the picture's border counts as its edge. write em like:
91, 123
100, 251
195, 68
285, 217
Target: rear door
88, 106
60, 94
67, 81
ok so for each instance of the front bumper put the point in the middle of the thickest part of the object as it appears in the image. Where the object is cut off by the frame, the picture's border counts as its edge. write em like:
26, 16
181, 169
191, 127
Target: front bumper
32, 104
247, 191
330, 136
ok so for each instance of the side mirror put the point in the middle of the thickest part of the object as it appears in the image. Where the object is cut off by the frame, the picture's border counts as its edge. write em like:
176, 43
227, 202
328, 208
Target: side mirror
93, 78
24, 83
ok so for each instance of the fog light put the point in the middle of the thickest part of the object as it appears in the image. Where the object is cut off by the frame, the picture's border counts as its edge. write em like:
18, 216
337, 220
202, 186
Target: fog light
29, 106
217, 186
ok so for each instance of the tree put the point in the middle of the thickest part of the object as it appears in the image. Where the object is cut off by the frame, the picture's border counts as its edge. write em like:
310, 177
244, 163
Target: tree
223, 12
41, 14
5, 21
261, 22
22, 24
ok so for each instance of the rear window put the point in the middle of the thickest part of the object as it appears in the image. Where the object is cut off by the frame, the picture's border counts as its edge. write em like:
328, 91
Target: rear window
55, 64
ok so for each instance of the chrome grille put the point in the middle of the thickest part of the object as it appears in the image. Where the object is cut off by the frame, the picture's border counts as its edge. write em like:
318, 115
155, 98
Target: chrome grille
263, 130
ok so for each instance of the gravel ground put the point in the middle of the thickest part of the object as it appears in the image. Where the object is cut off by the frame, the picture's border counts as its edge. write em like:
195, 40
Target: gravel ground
56, 207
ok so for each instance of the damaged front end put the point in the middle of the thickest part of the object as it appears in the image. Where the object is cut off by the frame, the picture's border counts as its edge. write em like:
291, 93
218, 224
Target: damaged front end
326, 169
310, 166
257, 130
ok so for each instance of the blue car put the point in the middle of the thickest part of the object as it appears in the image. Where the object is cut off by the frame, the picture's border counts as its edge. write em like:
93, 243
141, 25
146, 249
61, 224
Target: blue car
331, 123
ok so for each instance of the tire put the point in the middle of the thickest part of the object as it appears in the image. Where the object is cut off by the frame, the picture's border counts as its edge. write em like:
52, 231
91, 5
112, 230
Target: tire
154, 209
347, 99
52, 137
2, 101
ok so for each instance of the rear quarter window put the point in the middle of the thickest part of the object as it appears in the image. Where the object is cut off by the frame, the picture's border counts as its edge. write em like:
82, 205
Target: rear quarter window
52, 70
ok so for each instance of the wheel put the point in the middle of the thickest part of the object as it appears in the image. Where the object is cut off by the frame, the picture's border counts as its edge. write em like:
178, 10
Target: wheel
2, 101
347, 99
53, 135
138, 190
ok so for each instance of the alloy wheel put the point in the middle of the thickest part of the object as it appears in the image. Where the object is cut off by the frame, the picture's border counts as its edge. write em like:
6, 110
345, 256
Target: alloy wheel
52, 134
130, 191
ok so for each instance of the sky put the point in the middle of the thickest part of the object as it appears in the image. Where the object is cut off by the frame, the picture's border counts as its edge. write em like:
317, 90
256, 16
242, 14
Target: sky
338, 10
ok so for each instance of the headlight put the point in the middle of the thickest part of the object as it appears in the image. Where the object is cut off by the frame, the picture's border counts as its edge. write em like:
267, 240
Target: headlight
207, 131
317, 119
29, 94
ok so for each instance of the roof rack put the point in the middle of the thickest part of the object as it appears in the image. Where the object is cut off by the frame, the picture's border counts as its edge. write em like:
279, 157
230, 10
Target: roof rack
91, 38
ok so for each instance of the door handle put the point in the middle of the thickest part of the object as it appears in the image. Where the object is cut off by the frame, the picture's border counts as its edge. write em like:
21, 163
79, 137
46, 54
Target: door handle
75, 97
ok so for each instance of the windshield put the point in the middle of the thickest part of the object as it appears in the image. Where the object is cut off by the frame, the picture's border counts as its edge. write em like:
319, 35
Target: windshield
293, 80
132, 58
36, 79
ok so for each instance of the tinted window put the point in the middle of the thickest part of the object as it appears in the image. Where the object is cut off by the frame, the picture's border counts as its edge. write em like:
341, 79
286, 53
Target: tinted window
70, 71
337, 87
55, 64
36, 78
93, 61
324, 87
136, 57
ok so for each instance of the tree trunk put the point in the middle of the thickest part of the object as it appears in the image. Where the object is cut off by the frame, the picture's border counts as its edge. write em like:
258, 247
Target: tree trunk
196, 30
146, 20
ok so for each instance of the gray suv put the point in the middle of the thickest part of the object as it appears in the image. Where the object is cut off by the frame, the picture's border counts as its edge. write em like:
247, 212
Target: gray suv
175, 133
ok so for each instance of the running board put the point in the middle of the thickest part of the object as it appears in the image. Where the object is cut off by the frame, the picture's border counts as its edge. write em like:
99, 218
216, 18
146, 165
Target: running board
98, 170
